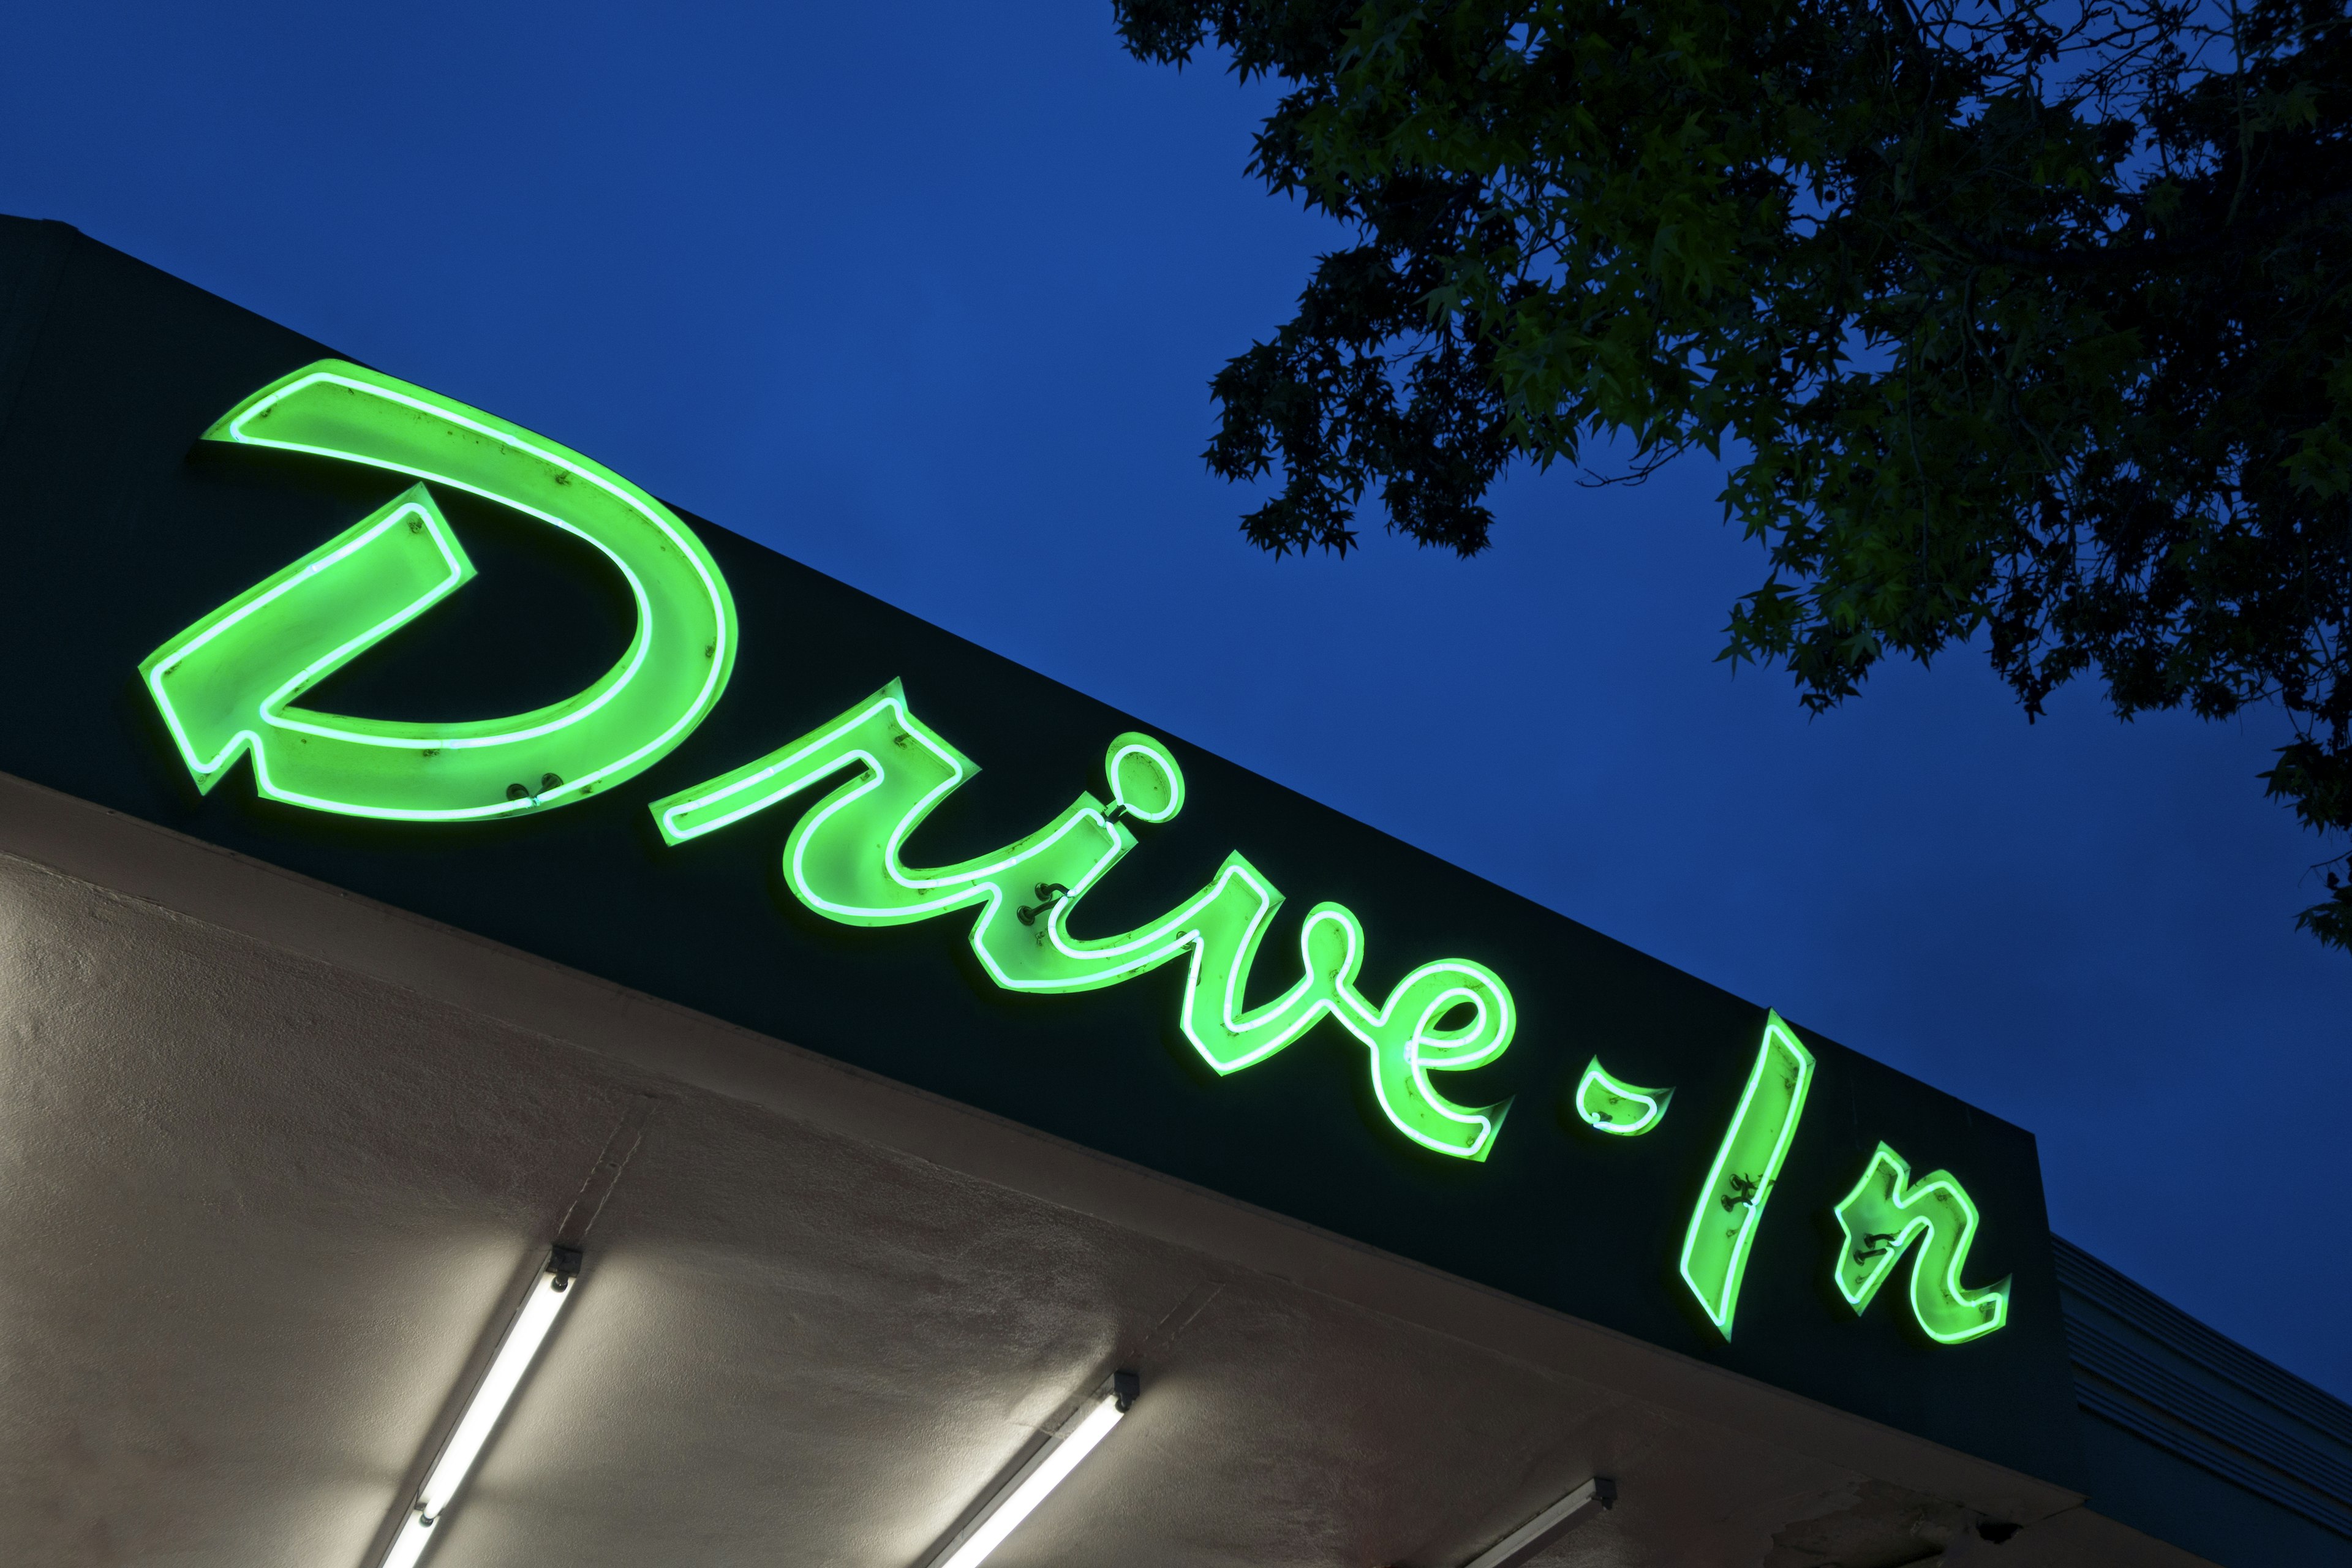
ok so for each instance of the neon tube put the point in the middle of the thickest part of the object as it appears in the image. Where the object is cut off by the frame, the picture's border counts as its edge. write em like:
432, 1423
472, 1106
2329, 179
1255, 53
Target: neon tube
1036, 1481
550, 1293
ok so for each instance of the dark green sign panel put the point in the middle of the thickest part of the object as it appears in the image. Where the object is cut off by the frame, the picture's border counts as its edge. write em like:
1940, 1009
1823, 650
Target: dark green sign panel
314, 613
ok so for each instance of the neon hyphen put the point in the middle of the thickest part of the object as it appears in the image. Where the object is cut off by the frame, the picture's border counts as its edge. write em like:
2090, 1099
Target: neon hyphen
1730, 1208
229, 684
1607, 1103
1884, 1216
842, 861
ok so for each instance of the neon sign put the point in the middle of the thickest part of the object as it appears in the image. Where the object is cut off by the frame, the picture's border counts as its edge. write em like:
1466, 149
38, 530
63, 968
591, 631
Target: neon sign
230, 684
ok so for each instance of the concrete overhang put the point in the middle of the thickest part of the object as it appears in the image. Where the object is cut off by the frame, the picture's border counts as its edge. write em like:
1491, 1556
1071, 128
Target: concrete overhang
274, 1158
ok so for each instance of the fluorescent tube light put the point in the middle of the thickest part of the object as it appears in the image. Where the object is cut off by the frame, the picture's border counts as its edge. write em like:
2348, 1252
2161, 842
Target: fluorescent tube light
524, 1335
1039, 1475
1592, 1498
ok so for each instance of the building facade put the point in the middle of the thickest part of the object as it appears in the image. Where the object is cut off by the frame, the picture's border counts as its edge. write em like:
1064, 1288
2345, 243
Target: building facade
532, 1026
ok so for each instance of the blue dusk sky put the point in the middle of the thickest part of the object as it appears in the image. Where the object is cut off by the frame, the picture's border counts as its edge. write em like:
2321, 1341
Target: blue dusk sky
928, 296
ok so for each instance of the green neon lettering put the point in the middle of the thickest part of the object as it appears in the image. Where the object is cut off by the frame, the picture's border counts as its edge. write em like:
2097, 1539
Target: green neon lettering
843, 861
229, 684
1608, 1104
1730, 1208
1884, 1216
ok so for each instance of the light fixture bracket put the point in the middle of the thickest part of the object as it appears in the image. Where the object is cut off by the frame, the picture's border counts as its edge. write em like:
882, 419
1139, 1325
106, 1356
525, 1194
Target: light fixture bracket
563, 1262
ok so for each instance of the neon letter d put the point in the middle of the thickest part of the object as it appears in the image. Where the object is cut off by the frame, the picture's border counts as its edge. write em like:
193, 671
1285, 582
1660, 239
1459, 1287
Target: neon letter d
229, 683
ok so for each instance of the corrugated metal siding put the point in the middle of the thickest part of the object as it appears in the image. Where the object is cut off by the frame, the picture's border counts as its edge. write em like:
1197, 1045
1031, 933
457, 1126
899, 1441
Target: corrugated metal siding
2151, 1368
